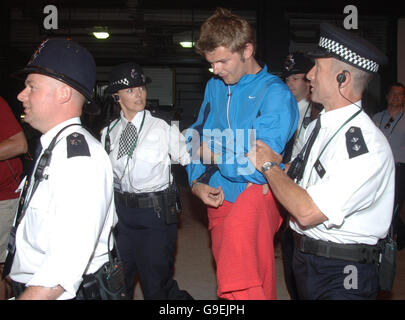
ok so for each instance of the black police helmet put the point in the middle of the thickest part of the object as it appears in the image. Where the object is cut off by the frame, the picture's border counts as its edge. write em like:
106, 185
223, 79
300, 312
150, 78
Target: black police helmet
66, 61
297, 62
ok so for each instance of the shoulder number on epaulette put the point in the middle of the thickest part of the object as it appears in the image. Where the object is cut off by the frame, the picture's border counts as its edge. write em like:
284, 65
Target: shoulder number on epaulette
355, 143
77, 145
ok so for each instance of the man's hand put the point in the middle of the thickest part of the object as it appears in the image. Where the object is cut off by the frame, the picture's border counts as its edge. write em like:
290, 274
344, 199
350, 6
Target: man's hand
213, 197
261, 153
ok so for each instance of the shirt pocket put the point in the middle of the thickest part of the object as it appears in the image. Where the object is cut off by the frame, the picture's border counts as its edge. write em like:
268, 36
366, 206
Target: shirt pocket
152, 150
36, 221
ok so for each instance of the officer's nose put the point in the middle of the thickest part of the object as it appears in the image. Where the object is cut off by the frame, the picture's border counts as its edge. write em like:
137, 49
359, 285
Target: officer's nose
22, 95
311, 73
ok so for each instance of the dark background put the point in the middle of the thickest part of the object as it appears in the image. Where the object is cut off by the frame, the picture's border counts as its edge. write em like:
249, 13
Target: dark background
147, 31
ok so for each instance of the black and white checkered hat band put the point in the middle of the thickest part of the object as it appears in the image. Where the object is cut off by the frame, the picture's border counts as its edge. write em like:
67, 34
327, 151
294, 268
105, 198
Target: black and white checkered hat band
121, 81
348, 55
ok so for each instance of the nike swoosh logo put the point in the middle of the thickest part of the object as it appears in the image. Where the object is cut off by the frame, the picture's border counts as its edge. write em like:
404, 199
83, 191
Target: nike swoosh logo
252, 97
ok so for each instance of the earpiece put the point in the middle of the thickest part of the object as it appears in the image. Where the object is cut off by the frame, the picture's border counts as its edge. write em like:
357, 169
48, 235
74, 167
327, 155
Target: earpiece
341, 77
116, 98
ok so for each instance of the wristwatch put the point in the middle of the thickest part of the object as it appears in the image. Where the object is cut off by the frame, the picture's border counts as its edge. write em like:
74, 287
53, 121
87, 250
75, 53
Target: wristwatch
268, 165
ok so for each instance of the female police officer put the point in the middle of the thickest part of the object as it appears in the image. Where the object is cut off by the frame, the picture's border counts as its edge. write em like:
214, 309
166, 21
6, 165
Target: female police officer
141, 148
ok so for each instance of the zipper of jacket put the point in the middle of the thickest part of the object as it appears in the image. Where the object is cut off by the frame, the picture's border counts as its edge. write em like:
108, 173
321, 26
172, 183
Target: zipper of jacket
227, 107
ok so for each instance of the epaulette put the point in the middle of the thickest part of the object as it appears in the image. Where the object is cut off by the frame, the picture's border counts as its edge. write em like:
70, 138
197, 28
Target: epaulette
77, 145
355, 143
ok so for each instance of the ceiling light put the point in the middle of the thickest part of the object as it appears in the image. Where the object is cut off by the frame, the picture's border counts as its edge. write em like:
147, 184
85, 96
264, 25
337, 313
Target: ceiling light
101, 32
187, 44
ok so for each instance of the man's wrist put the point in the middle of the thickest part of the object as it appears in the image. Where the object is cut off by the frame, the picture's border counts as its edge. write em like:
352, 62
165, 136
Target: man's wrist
194, 183
268, 165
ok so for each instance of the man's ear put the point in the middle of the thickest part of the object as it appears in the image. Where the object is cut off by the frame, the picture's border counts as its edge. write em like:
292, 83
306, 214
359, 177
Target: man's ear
64, 93
249, 51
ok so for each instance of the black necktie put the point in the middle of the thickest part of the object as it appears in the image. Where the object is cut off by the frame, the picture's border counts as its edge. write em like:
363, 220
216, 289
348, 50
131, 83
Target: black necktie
311, 140
11, 243
297, 167
127, 139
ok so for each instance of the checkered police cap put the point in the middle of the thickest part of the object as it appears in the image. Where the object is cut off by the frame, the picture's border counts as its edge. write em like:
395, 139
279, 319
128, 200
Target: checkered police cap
126, 75
348, 47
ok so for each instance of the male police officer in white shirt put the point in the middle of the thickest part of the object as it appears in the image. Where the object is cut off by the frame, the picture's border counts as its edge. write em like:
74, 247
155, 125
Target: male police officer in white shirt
141, 148
342, 204
68, 210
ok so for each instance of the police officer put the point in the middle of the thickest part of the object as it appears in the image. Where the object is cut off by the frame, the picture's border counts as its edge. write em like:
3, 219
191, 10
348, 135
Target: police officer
67, 209
296, 66
342, 202
141, 148
391, 122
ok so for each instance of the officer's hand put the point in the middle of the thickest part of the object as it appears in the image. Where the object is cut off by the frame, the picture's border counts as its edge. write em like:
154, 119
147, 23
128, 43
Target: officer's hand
261, 153
213, 197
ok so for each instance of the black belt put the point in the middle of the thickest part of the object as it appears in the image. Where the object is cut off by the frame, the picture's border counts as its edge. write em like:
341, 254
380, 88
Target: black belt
400, 164
140, 200
361, 253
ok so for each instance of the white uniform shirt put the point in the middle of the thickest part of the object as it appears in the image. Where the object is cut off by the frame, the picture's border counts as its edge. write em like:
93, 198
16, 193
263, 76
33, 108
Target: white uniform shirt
305, 111
149, 168
69, 217
355, 194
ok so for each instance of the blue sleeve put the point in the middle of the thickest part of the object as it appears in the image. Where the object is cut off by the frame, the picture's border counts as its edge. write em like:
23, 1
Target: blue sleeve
275, 124
193, 138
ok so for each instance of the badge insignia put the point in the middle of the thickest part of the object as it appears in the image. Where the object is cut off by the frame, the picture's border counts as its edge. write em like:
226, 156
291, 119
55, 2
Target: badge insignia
355, 143
319, 168
77, 145
133, 73
289, 62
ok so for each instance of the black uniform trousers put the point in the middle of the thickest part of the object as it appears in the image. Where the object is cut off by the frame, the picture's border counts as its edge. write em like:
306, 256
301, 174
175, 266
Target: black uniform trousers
319, 278
147, 246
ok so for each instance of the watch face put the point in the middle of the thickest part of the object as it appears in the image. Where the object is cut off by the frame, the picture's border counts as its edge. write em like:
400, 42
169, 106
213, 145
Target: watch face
267, 165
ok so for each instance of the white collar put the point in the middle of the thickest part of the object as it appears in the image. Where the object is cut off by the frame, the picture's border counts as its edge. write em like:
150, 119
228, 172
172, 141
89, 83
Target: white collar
336, 117
136, 121
47, 137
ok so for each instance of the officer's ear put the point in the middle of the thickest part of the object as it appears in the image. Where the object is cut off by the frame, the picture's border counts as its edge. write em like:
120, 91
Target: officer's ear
64, 93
